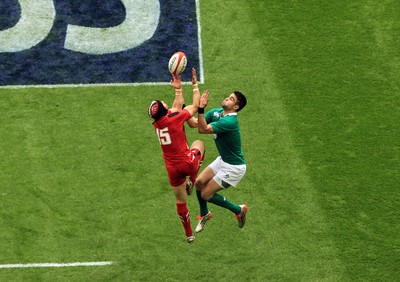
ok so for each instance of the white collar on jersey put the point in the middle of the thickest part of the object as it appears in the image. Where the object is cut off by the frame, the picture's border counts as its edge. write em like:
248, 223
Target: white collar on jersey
230, 114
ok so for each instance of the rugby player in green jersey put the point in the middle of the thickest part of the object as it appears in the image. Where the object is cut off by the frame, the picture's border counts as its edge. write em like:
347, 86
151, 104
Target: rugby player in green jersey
230, 166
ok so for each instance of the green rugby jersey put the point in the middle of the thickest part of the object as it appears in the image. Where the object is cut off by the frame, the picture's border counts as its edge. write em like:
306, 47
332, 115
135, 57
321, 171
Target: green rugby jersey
226, 136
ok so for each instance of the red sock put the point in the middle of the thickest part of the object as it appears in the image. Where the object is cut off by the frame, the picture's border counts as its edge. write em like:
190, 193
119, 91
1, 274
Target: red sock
183, 213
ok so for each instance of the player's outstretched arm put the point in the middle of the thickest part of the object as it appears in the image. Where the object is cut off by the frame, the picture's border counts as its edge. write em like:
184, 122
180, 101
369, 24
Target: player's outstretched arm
176, 83
196, 96
196, 91
192, 122
203, 127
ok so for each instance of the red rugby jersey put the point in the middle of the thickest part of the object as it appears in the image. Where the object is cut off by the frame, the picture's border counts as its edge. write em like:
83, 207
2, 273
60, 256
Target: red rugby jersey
172, 136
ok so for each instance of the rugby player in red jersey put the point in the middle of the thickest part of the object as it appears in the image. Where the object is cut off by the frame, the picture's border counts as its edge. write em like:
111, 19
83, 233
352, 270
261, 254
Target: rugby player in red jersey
180, 160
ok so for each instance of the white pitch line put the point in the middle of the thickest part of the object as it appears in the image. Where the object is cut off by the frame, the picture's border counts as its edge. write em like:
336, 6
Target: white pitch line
199, 41
72, 264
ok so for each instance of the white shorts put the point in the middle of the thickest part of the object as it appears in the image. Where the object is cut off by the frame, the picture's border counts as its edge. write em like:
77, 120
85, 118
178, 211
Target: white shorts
226, 174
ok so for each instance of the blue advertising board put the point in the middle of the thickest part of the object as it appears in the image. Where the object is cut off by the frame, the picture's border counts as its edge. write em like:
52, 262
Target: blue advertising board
69, 42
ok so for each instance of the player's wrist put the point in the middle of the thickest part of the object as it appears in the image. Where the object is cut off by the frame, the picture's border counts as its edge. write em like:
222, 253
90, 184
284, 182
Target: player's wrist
178, 91
200, 110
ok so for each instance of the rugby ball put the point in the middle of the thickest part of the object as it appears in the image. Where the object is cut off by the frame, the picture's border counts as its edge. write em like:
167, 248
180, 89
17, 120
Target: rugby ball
177, 63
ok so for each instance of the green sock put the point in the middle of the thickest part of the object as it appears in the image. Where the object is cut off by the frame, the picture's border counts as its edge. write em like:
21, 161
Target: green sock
223, 202
202, 203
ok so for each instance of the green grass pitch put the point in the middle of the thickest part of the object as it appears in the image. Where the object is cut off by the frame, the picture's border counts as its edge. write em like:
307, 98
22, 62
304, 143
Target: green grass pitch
82, 177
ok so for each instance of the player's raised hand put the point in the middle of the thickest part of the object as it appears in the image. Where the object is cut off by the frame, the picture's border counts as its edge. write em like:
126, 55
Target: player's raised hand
176, 81
194, 76
204, 99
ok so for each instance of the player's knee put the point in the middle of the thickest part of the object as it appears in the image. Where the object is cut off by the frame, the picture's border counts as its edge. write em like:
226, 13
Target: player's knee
199, 185
205, 196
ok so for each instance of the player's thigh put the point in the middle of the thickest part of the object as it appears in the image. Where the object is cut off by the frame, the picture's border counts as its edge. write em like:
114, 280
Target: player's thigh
205, 176
198, 144
210, 189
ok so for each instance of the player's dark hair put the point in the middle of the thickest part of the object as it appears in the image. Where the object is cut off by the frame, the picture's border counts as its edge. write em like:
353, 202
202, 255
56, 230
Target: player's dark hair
241, 100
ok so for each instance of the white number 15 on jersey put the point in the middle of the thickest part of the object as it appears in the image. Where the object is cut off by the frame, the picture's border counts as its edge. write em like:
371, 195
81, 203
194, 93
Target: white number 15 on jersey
163, 136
